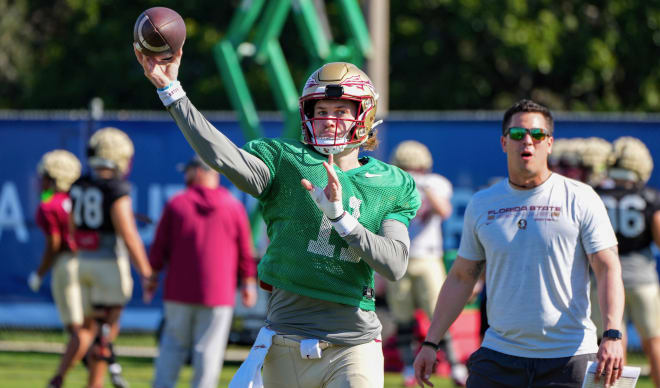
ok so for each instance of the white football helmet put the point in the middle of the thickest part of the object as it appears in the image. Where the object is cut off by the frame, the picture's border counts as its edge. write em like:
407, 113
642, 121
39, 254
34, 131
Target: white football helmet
559, 147
630, 160
110, 148
572, 155
340, 81
595, 153
412, 155
61, 166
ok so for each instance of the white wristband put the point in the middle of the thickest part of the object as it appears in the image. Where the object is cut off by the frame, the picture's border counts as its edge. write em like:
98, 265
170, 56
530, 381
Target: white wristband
345, 225
331, 210
171, 93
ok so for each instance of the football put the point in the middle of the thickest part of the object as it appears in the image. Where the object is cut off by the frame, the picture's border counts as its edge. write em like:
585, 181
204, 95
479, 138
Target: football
159, 32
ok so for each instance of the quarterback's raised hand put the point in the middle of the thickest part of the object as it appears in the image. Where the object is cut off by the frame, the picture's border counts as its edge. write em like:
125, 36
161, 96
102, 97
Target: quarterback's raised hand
328, 199
160, 73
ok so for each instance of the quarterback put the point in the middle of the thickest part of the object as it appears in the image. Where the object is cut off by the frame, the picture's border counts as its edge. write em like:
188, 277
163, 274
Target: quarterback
333, 218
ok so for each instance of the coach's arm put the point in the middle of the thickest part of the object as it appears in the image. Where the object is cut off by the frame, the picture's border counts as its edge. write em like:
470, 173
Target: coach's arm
454, 294
607, 268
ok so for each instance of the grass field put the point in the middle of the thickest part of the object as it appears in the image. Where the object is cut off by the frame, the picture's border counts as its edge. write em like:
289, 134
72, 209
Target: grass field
32, 370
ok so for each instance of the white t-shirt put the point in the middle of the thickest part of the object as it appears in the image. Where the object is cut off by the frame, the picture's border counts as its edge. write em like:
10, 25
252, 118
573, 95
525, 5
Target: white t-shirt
426, 228
535, 244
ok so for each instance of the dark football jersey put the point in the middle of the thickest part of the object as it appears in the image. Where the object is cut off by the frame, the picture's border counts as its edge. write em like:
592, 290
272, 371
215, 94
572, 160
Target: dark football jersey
92, 199
631, 213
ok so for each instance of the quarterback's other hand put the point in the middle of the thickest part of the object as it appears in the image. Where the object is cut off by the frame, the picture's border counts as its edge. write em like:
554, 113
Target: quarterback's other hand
160, 73
249, 295
328, 199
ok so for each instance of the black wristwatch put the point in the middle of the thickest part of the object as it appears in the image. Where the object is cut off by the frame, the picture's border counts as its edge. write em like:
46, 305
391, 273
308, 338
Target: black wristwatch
612, 334
431, 345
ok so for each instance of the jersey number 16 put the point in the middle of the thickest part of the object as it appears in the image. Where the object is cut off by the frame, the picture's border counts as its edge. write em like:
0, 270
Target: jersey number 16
626, 214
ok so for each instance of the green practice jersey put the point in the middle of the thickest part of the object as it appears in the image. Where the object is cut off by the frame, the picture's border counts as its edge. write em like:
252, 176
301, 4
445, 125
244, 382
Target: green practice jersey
306, 255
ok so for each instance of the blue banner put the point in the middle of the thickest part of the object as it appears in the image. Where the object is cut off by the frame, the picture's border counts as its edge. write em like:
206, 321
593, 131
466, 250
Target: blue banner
466, 151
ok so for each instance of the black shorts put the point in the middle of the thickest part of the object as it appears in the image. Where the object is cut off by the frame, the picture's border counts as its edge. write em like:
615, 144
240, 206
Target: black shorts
491, 369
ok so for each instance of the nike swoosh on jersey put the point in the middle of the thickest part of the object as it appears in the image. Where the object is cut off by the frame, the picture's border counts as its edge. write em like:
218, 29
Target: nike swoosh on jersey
370, 175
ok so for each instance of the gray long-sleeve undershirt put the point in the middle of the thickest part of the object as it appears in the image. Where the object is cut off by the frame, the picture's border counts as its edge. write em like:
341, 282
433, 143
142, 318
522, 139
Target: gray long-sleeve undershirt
386, 253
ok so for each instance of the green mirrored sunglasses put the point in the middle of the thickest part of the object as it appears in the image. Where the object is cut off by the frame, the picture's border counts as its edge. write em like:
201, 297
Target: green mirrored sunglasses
518, 133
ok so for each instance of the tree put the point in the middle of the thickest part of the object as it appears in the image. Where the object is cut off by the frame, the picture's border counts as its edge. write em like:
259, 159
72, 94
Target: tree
16, 58
575, 55
445, 54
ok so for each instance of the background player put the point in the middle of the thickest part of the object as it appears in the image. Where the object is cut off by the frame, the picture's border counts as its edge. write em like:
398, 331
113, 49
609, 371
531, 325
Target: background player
595, 152
634, 211
421, 284
57, 170
581, 159
107, 236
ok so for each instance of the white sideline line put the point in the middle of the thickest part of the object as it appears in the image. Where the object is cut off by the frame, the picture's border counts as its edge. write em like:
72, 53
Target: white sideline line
231, 354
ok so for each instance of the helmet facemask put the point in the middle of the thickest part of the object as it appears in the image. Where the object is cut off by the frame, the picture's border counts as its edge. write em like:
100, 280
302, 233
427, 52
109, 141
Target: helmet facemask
331, 134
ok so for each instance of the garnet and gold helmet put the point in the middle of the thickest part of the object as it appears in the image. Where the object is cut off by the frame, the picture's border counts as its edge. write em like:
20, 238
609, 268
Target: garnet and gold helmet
110, 148
595, 155
61, 166
338, 81
412, 155
630, 160
566, 158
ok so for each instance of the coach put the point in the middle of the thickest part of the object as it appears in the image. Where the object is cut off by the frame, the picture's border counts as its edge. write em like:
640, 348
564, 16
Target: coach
536, 233
203, 241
